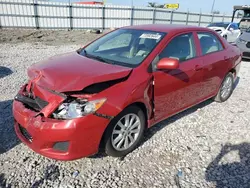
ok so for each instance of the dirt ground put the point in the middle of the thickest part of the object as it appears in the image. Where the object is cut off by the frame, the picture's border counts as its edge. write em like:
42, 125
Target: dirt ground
47, 37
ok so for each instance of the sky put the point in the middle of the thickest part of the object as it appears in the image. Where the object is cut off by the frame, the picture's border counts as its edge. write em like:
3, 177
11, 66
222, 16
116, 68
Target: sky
224, 6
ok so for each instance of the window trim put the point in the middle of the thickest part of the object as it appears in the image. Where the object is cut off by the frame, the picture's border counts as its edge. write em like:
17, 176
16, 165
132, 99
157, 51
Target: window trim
218, 38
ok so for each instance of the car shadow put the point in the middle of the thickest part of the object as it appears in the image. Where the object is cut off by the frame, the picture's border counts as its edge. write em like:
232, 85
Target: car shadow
230, 174
244, 59
8, 138
4, 71
236, 82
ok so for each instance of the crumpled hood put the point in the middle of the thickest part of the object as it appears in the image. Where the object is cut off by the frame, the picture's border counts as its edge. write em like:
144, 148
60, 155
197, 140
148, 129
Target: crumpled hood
245, 36
73, 72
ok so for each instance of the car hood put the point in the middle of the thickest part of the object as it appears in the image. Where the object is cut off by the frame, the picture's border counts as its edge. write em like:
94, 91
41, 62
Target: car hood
217, 28
245, 36
73, 72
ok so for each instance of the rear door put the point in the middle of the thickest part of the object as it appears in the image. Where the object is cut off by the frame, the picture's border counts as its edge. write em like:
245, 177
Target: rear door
214, 60
175, 90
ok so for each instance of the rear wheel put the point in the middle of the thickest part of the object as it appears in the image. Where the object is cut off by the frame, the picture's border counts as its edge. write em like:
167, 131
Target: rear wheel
125, 132
226, 88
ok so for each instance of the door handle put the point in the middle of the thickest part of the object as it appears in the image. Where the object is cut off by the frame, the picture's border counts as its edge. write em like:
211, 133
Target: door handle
197, 68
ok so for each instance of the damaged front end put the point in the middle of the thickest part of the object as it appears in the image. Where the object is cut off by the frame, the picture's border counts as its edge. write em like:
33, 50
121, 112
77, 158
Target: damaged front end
55, 124
66, 105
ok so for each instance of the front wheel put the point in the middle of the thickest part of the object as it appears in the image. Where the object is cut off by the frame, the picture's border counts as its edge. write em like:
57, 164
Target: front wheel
226, 88
125, 132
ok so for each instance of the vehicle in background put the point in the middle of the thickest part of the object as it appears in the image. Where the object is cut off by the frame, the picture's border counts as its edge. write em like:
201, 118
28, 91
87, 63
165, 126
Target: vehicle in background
243, 42
106, 94
230, 31
244, 23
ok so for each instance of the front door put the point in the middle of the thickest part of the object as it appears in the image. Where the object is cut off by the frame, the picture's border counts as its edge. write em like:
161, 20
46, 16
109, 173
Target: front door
175, 90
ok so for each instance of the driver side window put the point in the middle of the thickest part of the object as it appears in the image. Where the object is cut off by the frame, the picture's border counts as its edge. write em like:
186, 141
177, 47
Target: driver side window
181, 47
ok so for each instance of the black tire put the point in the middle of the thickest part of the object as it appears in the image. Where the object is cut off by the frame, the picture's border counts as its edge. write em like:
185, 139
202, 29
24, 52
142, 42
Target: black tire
108, 146
219, 97
225, 37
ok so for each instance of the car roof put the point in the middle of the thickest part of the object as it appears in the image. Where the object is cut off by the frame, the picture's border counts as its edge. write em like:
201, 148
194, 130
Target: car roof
167, 27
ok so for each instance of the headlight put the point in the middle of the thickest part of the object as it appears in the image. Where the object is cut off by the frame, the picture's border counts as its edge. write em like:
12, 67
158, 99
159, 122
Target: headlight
77, 108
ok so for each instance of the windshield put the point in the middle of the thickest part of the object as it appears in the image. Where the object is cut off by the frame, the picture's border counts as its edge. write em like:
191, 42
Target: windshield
218, 25
126, 47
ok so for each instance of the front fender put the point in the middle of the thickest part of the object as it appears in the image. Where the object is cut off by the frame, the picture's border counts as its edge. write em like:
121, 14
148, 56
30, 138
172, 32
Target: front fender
126, 93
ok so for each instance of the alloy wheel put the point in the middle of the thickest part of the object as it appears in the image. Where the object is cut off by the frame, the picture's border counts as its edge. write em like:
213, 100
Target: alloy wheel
226, 87
126, 132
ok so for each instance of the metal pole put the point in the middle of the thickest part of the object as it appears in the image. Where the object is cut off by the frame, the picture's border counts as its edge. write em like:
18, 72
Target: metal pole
200, 18
153, 20
187, 17
36, 14
132, 16
103, 17
171, 16
212, 9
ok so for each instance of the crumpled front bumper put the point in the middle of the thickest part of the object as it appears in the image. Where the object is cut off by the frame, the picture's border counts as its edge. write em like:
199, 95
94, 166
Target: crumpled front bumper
79, 137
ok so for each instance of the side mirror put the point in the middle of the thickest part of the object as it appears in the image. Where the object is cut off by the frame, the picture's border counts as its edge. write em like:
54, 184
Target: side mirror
168, 64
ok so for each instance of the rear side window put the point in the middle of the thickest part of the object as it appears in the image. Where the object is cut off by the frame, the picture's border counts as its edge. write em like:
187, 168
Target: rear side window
181, 47
209, 43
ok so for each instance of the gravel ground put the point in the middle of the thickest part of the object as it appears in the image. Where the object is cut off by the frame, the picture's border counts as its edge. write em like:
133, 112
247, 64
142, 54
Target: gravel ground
206, 146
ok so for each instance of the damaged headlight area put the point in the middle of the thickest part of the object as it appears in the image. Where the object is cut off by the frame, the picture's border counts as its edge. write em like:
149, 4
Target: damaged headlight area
77, 108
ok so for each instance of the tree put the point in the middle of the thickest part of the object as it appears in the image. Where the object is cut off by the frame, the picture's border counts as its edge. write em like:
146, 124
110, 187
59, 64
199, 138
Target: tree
216, 12
155, 5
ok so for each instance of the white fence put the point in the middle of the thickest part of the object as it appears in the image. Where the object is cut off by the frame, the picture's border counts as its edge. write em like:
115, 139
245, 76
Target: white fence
47, 15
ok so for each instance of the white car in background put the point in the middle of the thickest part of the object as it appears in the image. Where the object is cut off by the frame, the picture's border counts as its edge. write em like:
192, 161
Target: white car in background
230, 31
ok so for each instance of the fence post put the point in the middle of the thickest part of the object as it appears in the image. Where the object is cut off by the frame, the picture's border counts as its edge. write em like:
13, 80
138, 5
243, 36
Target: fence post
200, 19
153, 19
132, 16
70, 17
223, 17
35, 4
103, 17
187, 18
171, 16
212, 18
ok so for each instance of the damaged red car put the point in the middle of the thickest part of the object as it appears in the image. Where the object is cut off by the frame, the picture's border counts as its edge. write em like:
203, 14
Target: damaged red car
106, 94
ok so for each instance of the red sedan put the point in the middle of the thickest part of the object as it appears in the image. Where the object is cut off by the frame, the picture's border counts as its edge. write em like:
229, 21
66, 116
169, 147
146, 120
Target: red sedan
109, 92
